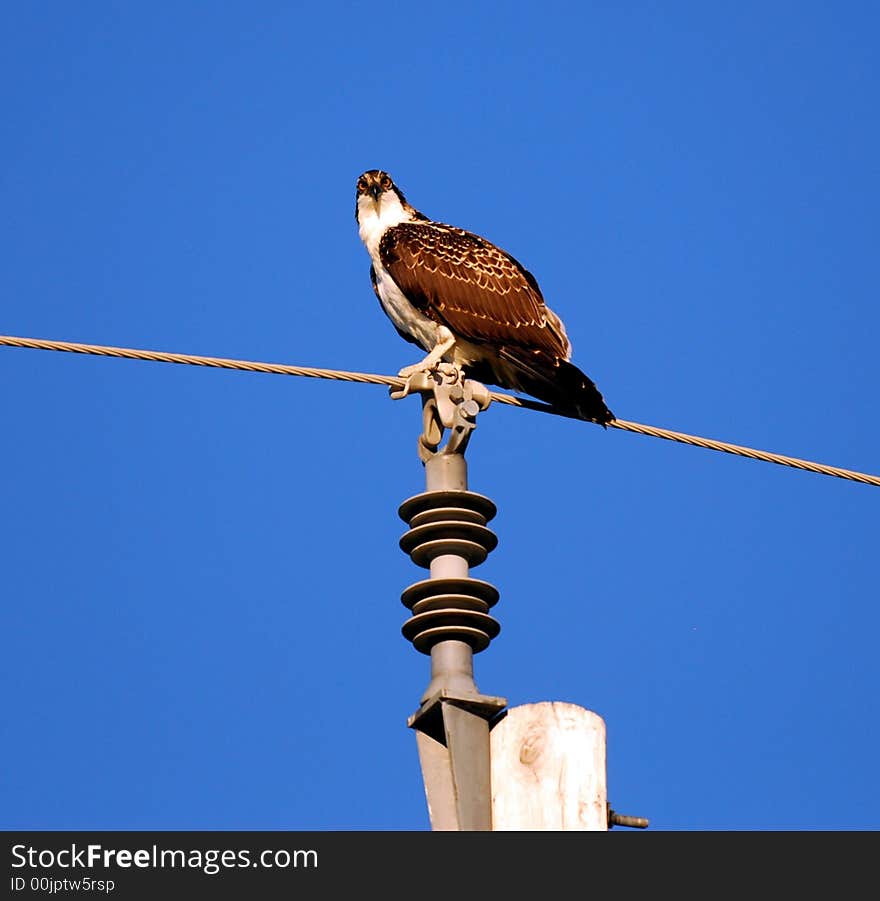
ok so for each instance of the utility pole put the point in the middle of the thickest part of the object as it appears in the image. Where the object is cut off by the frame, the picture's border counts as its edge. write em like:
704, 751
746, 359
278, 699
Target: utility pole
485, 767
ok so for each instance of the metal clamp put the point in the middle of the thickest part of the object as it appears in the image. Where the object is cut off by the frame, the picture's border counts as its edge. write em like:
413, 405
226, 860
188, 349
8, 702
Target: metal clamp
449, 401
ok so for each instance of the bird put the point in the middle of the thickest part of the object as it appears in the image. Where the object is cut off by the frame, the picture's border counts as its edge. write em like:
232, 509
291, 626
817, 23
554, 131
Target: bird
467, 302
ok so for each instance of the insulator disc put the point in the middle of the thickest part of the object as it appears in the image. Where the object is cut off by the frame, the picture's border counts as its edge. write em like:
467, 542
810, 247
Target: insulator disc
467, 539
432, 587
431, 500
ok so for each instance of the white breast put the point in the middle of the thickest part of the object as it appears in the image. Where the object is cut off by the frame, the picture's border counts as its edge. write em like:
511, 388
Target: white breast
372, 224
401, 312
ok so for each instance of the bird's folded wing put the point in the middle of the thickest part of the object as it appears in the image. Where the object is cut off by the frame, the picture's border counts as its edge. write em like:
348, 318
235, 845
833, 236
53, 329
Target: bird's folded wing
473, 287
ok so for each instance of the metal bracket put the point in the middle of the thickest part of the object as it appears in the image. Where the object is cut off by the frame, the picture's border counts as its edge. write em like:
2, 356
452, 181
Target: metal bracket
452, 733
449, 401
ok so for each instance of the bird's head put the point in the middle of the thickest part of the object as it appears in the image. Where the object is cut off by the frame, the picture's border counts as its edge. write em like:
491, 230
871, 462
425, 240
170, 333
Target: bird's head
377, 195
380, 204
374, 183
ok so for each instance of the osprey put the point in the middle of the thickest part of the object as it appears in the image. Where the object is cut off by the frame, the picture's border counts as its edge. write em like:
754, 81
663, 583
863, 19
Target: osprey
465, 301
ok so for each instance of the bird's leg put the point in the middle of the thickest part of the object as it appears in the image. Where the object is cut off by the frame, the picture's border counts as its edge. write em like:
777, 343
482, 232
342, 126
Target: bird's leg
445, 343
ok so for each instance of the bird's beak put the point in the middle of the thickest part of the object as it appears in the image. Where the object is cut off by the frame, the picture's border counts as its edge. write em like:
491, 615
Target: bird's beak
374, 192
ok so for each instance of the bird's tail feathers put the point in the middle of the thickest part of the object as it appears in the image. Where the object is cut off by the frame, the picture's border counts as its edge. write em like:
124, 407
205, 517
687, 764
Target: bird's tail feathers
557, 382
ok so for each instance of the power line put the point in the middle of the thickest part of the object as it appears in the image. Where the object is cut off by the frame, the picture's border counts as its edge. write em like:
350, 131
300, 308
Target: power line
395, 382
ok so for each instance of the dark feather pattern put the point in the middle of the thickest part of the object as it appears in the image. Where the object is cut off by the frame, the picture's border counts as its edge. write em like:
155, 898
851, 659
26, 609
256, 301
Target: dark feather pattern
473, 287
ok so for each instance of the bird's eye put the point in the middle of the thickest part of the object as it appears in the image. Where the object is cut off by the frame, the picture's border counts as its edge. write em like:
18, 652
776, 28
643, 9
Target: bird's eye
362, 185
386, 182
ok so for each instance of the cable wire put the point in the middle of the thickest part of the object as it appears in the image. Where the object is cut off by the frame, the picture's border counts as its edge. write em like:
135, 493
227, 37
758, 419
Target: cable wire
395, 382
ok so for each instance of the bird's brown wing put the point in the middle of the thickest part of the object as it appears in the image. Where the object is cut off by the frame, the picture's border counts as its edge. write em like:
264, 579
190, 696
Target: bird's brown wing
471, 286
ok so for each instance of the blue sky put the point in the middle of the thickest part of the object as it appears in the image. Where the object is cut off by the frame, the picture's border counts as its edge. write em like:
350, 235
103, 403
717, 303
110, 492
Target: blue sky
200, 568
